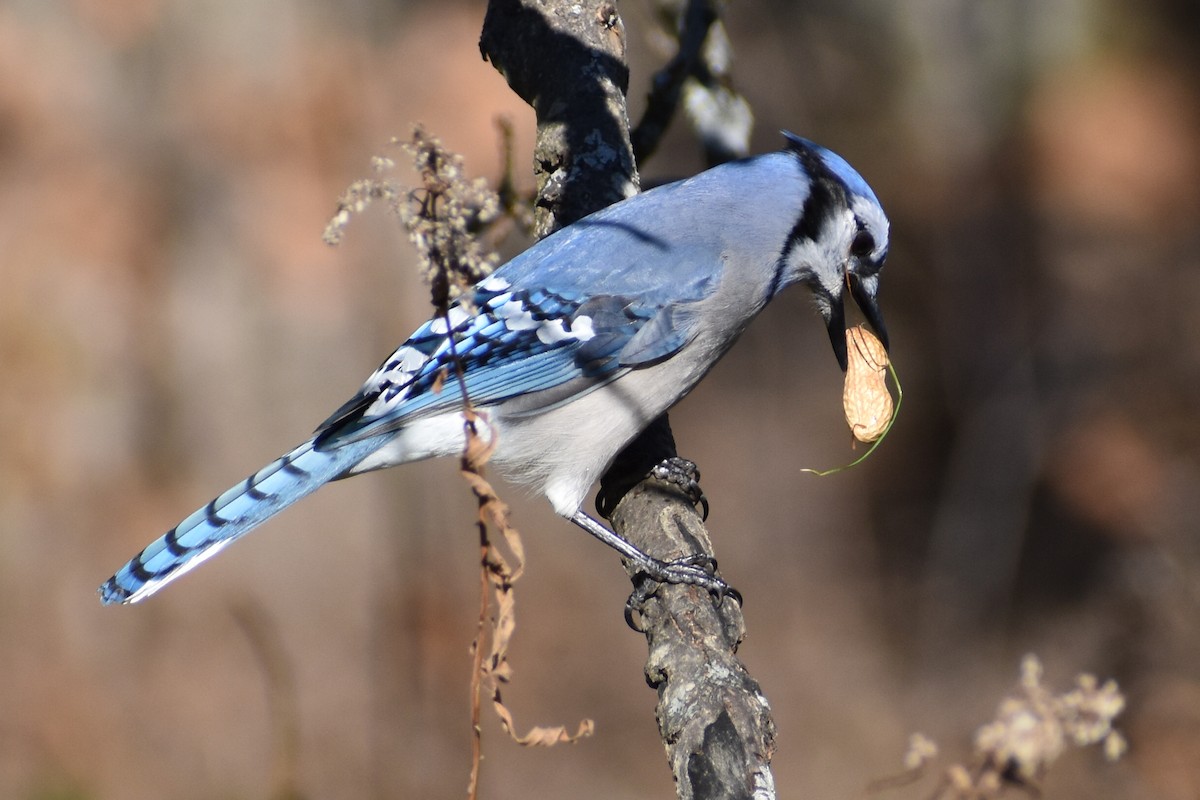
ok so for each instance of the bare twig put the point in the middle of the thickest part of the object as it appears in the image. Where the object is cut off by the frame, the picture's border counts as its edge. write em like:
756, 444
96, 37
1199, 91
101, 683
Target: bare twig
477, 668
695, 19
712, 715
500, 572
444, 218
699, 76
517, 206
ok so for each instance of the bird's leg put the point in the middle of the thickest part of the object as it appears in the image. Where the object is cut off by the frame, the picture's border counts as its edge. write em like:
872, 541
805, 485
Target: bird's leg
652, 455
694, 570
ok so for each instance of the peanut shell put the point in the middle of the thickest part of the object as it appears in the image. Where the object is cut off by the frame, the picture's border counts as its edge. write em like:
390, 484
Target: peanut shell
865, 398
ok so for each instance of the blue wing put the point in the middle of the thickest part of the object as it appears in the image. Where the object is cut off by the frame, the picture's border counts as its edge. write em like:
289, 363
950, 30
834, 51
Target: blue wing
543, 340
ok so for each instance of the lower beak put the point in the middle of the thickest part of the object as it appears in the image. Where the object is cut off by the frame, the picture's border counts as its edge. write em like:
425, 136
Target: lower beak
836, 323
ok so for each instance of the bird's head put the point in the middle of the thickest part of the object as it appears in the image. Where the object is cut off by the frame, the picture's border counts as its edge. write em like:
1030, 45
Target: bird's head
839, 241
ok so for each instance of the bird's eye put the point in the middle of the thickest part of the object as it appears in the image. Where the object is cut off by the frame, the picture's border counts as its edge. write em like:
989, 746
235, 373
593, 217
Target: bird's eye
863, 245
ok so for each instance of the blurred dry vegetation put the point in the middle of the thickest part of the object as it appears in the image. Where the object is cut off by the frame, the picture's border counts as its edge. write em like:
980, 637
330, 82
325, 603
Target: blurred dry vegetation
170, 319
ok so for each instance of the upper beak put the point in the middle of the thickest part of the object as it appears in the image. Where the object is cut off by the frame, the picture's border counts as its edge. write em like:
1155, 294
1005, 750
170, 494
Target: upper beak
869, 303
835, 321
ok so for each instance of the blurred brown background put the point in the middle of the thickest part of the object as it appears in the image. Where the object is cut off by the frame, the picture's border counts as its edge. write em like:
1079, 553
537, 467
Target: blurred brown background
170, 320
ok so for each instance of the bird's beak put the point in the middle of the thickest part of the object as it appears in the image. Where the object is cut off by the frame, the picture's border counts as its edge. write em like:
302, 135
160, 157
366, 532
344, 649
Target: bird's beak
863, 292
835, 321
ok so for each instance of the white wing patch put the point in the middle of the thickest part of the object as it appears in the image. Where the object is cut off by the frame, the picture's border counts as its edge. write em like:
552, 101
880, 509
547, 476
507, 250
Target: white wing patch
582, 328
553, 331
409, 359
458, 316
494, 283
516, 316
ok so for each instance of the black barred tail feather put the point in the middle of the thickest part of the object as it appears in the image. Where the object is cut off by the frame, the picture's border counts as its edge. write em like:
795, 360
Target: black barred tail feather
232, 515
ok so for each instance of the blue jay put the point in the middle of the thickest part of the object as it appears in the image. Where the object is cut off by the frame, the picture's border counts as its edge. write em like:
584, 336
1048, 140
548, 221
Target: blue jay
573, 347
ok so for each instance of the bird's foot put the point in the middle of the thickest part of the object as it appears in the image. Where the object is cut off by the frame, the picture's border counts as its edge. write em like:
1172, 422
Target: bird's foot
695, 570
683, 475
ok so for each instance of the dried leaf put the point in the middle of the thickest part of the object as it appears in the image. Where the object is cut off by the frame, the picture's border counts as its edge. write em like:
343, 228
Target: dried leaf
500, 573
539, 736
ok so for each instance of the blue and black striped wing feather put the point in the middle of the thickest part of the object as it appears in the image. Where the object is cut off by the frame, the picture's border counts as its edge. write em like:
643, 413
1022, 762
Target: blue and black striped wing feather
517, 343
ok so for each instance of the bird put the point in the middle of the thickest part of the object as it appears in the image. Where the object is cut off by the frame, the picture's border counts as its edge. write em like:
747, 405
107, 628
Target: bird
573, 347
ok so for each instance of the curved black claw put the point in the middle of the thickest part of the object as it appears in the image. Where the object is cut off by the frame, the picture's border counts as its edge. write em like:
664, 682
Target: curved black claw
645, 588
685, 476
606, 501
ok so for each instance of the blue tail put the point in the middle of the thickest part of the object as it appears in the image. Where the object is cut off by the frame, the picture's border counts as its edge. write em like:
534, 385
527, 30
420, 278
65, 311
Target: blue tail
232, 515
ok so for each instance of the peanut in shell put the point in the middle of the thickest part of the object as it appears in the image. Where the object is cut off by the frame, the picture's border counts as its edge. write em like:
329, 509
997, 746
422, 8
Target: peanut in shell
865, 397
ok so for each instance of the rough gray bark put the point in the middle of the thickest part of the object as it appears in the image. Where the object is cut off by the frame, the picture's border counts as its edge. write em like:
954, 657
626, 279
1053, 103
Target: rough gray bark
567, 60
712, 716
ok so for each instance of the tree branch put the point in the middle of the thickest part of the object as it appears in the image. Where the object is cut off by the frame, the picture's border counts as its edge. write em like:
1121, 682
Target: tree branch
566, 58
712, 716
698, 76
